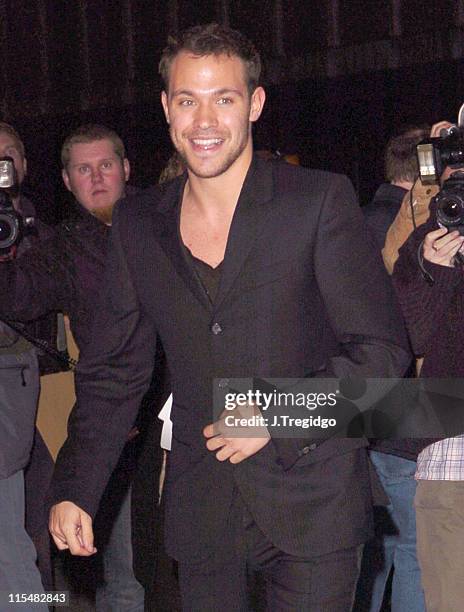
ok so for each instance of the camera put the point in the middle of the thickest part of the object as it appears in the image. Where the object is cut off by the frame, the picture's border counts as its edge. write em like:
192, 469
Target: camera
450, 203
434, 154
12, 225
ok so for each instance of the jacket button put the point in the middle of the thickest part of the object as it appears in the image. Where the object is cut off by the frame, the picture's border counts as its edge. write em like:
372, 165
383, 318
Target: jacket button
223, 383
216, 329
312, 446
305, 450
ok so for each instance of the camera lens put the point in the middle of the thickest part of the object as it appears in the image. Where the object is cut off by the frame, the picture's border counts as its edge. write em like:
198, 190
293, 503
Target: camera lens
452, 209
8, 231
456, 156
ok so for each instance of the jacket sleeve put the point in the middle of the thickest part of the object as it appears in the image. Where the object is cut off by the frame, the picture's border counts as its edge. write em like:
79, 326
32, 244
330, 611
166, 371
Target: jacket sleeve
424, 304
36, 282
359, 301
113, 374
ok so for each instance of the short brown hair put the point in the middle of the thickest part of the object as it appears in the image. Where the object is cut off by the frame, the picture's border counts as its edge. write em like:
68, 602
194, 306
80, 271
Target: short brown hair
88, 133
6, 128
213, 39
174, 167
400, 154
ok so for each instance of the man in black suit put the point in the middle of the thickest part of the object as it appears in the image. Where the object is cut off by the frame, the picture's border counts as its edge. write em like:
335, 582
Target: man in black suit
242, 268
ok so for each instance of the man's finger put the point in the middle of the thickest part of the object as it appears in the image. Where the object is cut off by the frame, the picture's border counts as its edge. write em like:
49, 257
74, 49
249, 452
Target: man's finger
59, 543
237, 457
225, 453
214, 443
209, 431
451, 247
87, 534
72, 538
431, 237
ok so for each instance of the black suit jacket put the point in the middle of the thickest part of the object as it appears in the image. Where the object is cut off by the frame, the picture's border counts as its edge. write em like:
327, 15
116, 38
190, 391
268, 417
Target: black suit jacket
302, 290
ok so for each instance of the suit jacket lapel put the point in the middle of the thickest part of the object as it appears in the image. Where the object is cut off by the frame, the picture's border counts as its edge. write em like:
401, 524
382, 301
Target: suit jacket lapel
166, 228
251, 210
250, 213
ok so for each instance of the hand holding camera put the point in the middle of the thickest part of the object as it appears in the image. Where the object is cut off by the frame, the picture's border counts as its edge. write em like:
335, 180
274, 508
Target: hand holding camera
441, 246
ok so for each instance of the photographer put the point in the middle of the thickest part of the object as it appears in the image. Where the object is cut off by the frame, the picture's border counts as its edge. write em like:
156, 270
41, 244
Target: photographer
19, 377
414, 210
63, 273
400, 172
428, 277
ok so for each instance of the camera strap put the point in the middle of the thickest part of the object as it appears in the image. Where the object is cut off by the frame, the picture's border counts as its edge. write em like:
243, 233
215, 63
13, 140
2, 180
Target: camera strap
43, 345
420, 259
411, 204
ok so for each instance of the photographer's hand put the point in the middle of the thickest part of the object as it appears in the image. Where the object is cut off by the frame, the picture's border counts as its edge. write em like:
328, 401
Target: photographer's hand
440, 247
437, 127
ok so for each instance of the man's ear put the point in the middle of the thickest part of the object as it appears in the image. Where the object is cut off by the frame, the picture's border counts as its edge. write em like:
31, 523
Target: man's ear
126, 166
164, 102
25, 165
258, 98
66, 181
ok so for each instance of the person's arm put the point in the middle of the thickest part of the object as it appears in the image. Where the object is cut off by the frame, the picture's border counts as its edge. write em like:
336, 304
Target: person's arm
425, 300
359, 301
36, 282
362, 309
113, 375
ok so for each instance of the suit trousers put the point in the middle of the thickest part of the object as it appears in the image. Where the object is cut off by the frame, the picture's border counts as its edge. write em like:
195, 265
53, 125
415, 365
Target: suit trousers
318, 584
440, 543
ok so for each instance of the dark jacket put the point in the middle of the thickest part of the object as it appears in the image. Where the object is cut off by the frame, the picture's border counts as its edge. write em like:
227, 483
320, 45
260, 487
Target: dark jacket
295, 298
64, 272
44, 328
381, 212
434, 313
19, 374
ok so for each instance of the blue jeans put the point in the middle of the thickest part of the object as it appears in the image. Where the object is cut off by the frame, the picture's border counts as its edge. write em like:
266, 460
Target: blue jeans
18, 571
120, 591
395, 544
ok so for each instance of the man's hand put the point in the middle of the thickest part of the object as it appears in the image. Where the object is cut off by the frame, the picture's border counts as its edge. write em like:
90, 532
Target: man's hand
237, 447
71, 529
440, 247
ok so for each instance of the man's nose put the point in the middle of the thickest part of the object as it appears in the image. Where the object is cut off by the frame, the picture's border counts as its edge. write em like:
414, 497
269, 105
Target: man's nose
206, 116
96, 175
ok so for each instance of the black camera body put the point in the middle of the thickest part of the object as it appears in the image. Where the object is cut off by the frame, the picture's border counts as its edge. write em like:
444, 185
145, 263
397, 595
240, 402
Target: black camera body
450, 203
434, 154
13, 227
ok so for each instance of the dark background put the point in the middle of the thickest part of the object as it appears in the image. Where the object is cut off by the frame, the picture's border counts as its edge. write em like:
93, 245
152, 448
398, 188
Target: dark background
341, 77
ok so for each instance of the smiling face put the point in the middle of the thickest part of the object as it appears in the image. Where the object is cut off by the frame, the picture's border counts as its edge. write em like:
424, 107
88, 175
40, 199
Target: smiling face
96, 176
210, 112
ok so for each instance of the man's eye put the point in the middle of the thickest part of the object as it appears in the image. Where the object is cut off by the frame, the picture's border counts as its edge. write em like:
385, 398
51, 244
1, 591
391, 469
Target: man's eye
83, 169
107, 165
225, 101
186, 102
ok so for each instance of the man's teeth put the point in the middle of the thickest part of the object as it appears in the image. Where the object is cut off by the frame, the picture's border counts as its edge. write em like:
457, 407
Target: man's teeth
206, 143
